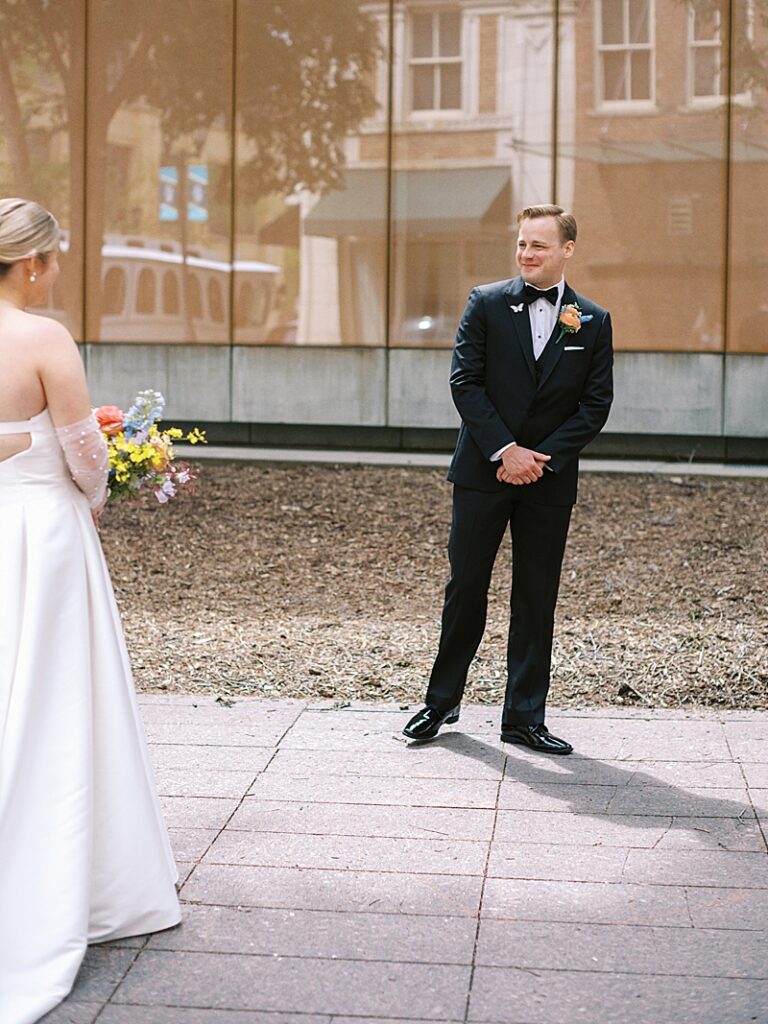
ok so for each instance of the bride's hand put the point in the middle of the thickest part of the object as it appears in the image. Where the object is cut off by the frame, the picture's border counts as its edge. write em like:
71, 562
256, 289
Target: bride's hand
96, 517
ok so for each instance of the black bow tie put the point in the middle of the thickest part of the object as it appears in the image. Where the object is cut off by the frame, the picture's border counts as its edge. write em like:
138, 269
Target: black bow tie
531, 294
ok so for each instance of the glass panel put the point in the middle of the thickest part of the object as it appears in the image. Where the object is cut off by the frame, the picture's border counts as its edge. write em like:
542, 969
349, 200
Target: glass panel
434, 272
170, 293
215, 301
648, 192
450, 34
615, 76
748, 294
613, 22
749, 55
450, 87
194, 296
244, 304
706, 79
639, 21
743, 15
145, 292
706, 24
310, 221
159, 143
641, 74
424, 87
114, 292
41, 129
422, 29
457, 184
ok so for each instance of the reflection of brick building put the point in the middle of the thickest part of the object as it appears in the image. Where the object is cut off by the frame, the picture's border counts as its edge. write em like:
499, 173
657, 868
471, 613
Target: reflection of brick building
641, 156
466, 81
649, 165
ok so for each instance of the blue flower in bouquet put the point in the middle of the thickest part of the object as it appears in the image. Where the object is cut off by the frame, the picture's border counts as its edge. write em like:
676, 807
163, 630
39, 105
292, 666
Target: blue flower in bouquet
146, 410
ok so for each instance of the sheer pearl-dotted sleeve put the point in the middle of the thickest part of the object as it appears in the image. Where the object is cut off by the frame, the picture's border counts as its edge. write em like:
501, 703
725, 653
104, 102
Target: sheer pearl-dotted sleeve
87, 456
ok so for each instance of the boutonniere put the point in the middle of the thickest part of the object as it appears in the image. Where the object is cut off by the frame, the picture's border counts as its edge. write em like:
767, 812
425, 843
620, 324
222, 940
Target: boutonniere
571, 318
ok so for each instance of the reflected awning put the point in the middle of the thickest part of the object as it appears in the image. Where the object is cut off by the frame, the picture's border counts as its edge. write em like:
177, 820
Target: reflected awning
466, 200
283, 230
657, 152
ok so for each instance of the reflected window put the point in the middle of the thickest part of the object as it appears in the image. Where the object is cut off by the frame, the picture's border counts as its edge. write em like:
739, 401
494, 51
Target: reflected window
433, 280
170, 294
707, 50
252, 305
244, 305
679, 216
145, 293
625, 52
194, 297
215, 301
113, 302
435, 61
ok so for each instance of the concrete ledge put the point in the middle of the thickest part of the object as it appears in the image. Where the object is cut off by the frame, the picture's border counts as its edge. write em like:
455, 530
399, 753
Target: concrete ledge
667, 393
313, 386
433, 460
193, 378
746, 387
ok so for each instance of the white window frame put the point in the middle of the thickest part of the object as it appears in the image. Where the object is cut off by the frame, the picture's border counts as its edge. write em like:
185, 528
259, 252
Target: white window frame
624, 105
436, 61
721, 98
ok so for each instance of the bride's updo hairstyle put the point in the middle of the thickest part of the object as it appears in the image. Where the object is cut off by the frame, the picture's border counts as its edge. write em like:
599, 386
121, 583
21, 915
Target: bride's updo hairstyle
26, 229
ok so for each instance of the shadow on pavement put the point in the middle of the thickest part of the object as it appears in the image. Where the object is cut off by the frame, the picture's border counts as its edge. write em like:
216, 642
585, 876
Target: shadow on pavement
575, 781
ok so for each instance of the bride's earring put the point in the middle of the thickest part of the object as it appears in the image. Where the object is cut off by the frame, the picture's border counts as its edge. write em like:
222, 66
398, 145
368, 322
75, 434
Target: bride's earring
32, 278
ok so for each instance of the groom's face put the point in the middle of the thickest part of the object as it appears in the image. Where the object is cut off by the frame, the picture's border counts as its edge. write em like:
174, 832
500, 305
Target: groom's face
541, 251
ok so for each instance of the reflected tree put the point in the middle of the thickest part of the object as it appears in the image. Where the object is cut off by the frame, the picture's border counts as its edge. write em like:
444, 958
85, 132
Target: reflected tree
41, 61
303, 85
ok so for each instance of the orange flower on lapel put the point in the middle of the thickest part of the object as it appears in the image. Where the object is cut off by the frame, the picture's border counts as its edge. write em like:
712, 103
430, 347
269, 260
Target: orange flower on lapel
571, 318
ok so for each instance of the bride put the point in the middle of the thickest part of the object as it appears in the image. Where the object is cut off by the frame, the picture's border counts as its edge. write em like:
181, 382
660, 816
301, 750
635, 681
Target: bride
84, 854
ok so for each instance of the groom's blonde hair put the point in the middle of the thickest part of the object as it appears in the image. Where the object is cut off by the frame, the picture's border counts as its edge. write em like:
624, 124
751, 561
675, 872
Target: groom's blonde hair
566, 221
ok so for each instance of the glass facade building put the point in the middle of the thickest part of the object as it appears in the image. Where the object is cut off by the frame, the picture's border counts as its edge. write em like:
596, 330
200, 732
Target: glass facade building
274, 212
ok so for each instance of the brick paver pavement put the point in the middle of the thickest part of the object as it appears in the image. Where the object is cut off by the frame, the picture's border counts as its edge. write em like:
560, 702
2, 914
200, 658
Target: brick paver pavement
332, 874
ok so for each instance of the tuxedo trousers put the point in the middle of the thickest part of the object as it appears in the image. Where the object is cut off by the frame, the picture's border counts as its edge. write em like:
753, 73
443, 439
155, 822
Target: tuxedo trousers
479, 522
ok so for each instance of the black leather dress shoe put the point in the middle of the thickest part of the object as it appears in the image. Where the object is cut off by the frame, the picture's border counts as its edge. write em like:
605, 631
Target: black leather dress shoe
426, 724
538, 737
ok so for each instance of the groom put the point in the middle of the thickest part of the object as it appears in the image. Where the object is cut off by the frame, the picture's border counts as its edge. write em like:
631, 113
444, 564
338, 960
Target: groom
532, 380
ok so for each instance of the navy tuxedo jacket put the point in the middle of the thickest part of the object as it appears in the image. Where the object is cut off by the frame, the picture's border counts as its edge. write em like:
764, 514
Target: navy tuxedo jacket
502, 395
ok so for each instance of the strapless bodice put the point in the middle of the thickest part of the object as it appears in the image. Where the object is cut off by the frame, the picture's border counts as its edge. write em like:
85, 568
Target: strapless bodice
39, 424
40, 471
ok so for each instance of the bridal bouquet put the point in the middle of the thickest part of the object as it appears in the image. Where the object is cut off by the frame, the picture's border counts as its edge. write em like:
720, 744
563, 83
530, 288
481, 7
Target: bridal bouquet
141, 455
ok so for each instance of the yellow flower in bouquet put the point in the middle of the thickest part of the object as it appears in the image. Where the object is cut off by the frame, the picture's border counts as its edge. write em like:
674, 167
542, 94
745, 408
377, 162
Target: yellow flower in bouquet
141, 455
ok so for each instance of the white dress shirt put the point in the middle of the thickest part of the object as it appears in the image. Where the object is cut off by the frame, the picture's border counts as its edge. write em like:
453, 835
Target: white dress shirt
543, 317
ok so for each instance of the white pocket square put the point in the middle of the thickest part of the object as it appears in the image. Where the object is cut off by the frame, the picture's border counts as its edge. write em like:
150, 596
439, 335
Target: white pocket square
573, 348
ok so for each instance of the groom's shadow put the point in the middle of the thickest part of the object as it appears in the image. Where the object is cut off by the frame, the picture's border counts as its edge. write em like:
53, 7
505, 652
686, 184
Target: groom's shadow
588, 786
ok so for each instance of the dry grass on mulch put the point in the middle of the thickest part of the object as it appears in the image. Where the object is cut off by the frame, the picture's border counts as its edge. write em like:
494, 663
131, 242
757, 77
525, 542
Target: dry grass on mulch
323, 581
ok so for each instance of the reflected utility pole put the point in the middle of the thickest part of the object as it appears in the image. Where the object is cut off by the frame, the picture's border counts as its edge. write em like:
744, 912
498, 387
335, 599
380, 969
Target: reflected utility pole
181, 170
175, 205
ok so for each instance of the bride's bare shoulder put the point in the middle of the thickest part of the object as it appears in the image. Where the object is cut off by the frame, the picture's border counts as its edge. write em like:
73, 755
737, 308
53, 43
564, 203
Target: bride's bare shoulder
39, 342
48, 332
45, 339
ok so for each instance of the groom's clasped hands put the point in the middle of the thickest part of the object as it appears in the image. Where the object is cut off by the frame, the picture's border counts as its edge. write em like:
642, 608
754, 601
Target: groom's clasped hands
521, 465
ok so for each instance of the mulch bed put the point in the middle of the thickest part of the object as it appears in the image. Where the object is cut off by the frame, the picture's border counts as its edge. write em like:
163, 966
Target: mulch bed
327, 582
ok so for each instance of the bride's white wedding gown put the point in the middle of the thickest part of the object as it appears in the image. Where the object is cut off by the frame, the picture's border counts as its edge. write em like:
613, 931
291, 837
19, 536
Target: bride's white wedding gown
84, 853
